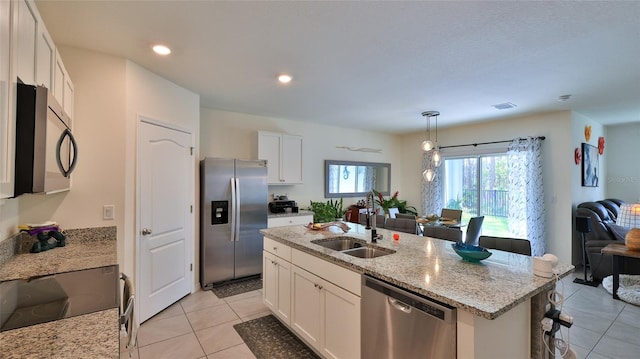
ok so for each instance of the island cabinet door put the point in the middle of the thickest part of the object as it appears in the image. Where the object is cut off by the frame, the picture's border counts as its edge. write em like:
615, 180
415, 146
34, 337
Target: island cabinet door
341, 336
306, 315
276, 293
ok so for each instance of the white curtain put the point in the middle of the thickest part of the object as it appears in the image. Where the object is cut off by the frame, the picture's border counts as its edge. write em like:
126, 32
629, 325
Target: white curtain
432, 196
526, 193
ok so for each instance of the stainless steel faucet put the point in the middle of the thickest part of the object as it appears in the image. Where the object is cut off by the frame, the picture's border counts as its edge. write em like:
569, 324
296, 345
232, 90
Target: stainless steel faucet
371, 215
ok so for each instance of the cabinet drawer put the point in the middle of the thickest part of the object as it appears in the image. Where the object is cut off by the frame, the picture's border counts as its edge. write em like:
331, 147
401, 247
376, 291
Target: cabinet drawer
333, 273
289, 221
281, 250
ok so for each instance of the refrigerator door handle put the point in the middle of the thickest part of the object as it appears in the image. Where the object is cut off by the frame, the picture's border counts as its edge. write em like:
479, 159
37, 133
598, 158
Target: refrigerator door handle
233, 210
237, 208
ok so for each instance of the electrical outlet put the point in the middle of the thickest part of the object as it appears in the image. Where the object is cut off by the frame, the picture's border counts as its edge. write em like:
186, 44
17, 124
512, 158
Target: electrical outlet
108, 212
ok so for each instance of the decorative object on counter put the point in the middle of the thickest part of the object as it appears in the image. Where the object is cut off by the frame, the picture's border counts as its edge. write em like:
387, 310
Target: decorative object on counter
266, 337
629, 217
431, 148
394, 202
320, 226
600, 145
44, 232
587, 133
589, 165
327, 212
470, 253
577, 155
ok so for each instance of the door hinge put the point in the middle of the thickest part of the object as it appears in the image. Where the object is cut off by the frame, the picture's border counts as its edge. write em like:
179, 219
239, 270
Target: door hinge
191, 148
191, 267
191, 209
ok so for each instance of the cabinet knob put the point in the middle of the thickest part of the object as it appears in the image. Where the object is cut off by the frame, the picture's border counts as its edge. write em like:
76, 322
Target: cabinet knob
320, 287
275, 248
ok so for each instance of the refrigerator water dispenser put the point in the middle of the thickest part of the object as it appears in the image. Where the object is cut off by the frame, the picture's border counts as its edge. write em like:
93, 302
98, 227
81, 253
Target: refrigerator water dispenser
219, 212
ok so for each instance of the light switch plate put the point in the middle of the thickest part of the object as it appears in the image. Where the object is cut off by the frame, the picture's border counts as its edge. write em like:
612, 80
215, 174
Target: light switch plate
108, 212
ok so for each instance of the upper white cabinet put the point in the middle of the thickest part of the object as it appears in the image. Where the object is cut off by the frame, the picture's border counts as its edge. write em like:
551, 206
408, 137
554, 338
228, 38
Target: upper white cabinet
7, 101
45, 58
284, 157
26, 27
26, 52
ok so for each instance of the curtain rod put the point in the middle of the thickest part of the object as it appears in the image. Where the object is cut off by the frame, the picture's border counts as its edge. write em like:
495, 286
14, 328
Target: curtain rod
487, 143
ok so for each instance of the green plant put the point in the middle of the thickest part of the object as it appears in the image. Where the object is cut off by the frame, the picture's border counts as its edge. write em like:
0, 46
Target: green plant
394, 202
327, 212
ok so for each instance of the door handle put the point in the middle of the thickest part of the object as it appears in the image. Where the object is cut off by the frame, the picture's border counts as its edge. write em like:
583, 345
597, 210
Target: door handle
146, 231
399, 305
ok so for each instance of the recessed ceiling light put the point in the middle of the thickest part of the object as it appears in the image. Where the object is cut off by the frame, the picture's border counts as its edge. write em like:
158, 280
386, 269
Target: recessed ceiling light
161, 50
284, 78
564, 98
505, 106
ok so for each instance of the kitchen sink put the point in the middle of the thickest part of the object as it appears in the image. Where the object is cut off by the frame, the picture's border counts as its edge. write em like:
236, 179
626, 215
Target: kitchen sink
353, 247
368, 252
340, 243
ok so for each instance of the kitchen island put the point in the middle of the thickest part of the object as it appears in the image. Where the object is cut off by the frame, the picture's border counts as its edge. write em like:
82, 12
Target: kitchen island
499, 300
93, 335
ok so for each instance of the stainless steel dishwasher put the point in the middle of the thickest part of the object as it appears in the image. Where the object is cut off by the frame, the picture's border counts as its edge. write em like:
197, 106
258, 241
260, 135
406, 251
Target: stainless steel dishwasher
400, 324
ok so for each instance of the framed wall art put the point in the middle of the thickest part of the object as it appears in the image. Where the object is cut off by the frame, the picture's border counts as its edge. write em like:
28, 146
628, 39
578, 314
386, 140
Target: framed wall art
590, 169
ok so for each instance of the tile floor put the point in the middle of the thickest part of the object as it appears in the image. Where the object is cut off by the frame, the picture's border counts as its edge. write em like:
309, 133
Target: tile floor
201, 325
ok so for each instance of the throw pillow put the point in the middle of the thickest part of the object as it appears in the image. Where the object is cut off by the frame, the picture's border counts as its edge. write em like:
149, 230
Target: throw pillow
618, 232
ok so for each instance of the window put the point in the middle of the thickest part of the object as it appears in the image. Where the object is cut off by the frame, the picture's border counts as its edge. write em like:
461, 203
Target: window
479, 185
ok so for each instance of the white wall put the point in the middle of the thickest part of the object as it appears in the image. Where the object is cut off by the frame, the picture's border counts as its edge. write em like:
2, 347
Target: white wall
557, 157
156, 98
235, 135
586, 194
620, 153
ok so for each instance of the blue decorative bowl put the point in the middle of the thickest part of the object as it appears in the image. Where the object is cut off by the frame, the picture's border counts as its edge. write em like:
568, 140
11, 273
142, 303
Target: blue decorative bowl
470, 253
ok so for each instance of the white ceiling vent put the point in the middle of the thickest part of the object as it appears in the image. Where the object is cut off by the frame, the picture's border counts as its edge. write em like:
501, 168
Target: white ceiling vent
504, 106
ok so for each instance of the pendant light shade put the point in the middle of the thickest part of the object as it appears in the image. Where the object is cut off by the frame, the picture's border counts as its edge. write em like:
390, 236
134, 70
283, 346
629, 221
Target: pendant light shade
428, 174
427, 145
436, 158
430, 148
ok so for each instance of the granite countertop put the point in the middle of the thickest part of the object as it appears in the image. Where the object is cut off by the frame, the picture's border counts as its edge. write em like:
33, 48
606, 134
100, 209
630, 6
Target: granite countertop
430, 267
302, 212
94, 335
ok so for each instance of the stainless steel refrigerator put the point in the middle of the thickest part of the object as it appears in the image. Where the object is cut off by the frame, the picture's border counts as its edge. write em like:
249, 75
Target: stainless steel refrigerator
233, 209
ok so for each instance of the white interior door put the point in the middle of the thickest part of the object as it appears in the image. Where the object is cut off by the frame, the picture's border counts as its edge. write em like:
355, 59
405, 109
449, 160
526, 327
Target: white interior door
165, 230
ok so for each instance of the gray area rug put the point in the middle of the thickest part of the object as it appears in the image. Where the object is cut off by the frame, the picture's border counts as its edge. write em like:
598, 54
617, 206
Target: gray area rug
268, 338
235, 288
629, 290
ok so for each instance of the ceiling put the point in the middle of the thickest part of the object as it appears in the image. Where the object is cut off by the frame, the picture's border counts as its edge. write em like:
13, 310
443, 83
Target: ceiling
376, 65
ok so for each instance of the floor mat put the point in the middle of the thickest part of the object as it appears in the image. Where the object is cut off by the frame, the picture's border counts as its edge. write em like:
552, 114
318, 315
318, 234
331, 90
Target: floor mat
268, 338
629, 290
235, 288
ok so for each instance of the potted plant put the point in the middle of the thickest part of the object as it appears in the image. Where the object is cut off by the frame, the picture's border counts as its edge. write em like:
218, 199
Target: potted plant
394, 202
327, 212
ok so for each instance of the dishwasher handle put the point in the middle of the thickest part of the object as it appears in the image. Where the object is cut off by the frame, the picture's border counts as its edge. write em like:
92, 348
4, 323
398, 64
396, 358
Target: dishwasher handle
399, 305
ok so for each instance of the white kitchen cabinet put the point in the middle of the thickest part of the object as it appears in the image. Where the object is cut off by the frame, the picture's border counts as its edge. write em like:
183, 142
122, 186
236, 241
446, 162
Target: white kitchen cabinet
276, 293
26, 26
67, 102
325, 315
7, 99
284, 157
45, 57
289, 221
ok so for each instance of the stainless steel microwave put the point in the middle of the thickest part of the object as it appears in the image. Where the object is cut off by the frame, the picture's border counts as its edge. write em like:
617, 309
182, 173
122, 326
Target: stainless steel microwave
46, 151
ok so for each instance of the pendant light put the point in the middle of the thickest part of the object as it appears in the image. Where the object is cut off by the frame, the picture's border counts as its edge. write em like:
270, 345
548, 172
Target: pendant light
431, 147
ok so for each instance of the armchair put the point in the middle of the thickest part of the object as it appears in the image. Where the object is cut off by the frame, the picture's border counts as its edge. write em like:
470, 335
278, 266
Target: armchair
604, 231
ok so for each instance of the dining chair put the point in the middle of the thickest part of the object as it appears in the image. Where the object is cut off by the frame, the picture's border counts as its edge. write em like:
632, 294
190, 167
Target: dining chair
401, 224
406, 216
473, 231
513, 245
455, 214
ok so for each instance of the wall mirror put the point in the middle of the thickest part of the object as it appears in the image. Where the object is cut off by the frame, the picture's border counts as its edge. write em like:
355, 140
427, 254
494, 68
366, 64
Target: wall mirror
355, 179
